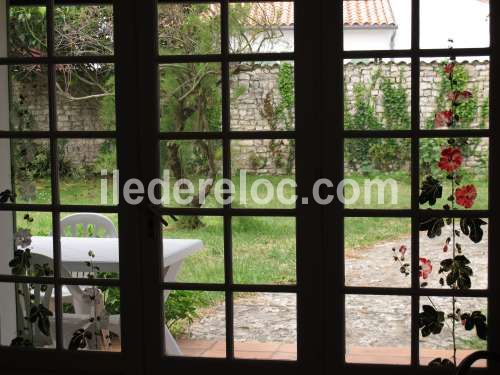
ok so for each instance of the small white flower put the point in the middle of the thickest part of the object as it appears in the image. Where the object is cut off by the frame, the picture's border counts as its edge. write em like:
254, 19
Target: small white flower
23, 238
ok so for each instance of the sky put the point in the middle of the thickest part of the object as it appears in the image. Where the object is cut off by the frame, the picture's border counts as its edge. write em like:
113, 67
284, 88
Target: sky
464, 21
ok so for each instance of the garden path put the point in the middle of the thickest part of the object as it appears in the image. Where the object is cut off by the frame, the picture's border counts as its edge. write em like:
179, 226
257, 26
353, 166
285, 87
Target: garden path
370, 320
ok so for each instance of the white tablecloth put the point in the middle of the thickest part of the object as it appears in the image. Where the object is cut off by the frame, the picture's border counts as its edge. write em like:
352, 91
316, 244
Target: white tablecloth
74, 251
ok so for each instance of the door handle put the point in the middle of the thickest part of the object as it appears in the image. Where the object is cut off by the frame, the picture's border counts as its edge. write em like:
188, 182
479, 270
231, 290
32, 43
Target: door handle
155, 211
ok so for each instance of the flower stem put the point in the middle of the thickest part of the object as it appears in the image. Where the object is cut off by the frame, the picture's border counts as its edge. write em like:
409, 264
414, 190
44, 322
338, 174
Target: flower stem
454, 301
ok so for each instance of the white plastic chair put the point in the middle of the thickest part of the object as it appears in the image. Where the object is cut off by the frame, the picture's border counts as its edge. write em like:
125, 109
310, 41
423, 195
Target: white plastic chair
101, 225
86, 224
84, 306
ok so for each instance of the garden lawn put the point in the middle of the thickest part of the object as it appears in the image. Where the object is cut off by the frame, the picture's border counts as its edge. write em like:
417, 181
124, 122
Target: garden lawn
263, 247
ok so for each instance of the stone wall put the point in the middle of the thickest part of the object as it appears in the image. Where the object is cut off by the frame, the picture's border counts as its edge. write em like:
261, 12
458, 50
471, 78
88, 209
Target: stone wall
71, 116
479, 75
254, 97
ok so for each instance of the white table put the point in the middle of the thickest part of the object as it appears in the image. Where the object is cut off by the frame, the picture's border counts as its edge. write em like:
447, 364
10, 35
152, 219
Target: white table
75, 252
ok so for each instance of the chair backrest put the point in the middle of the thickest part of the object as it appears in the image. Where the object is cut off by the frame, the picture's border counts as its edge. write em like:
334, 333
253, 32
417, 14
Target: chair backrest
81, 297
88, 225
31, 294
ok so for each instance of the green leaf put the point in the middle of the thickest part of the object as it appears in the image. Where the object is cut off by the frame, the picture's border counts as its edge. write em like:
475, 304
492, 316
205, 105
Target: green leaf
430, 191
430, 321
433, 226
21, 262
478, 320
472, 227
6, 195
79, 339
21, 342
40, 314
459, 272
441, 362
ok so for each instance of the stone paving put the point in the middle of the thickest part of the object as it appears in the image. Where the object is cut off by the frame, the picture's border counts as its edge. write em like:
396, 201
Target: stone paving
382, 321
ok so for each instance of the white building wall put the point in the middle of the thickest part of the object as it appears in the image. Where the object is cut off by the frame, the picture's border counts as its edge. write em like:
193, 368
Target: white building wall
367, 39
7, 295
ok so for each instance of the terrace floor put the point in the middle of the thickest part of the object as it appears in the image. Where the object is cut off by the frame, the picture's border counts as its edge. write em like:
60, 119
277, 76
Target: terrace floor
285, 351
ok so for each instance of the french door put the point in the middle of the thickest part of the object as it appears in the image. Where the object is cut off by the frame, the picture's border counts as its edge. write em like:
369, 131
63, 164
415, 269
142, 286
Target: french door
377, 313
238, 92
257, 319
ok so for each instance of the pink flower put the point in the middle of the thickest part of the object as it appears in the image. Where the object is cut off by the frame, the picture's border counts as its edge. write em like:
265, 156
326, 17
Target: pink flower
425, 268
449, 68
443, 119
403, 249
451, 159
459, 96
465, 196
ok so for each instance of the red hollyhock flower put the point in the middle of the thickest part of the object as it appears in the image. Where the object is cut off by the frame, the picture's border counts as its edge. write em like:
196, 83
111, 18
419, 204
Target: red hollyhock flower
449, 68
459, 96
425, 268
465, 196
443, 119
451, 159
402, 250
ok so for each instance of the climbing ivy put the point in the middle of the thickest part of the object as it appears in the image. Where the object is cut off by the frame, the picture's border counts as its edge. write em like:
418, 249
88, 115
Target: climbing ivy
380, 154
364, 155
282, 113
395, 102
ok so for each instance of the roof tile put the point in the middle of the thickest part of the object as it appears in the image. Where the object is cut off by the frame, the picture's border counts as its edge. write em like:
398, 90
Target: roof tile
368, 13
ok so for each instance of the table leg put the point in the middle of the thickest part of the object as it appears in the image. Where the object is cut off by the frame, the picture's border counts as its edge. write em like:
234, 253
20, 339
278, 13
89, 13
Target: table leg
169, 276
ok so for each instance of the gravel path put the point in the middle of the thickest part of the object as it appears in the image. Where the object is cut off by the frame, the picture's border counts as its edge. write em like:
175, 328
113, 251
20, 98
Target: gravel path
370, 320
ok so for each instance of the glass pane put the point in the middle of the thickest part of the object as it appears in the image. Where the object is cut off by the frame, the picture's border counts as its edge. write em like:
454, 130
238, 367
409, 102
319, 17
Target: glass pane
263, 173
377, 252
195, 321
30, 173
91, 319
455, 94
29, 102
200, 240
27, 317
261, 27
377, 94
442, 23
262, 96
454, 173
89, 245
190, 97
265, 326
378, 329
86, 167
377, 24
189, 29
377, 172
451, 317
264, 250
85, 97
27, 31
446, 244
192, 173
83, 30
24, 249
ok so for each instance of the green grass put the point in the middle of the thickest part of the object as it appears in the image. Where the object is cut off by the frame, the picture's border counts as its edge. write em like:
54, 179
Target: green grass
264, 249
